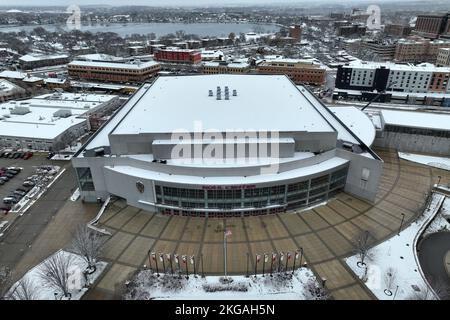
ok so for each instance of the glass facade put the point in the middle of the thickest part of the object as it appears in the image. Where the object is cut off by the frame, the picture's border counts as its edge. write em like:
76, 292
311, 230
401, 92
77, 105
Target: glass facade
85, 179
254, 201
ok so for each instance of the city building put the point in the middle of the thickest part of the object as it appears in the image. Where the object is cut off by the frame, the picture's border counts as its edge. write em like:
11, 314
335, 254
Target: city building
412, 131
379, 50
9, 90
416, 49
234, 145
443, 57
113, 71
365, 80
210, 55
295, 32
32, 61
50, 121
398, 30
299, 71
177, 55
226, 67
433, 26
351, 30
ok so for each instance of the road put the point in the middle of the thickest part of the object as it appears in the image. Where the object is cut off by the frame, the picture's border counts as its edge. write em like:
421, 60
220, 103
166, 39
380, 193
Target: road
25, 229
432, 257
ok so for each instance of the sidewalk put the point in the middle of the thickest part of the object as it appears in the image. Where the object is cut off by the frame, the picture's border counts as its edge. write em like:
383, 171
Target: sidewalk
56, 235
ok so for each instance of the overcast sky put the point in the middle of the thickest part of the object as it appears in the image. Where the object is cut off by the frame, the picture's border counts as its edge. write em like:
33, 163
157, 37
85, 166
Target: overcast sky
174, 2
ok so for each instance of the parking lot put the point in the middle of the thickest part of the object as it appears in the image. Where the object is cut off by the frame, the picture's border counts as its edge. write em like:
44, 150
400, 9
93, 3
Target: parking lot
28, 169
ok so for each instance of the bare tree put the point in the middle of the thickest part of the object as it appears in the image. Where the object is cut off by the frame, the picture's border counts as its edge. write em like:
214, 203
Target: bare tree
362, 244
24, 290
5, 282
389, 279
88, 243
55, 272
425, 292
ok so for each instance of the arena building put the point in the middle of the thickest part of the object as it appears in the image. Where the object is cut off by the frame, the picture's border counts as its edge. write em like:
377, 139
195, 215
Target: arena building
228, 145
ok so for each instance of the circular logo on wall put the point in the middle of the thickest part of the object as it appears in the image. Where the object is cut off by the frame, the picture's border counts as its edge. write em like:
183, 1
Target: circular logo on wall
140, 186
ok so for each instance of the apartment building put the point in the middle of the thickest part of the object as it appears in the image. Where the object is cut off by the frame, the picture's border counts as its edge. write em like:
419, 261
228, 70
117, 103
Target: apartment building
177, 55
226, 67
433, 26
443, 57
299, 71
417, 49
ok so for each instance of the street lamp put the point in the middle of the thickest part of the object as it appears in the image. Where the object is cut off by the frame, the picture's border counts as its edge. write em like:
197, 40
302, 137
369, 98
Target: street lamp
401, 224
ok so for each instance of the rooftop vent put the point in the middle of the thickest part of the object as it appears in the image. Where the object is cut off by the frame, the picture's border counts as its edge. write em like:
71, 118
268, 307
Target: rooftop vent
20, 110
234, 92
210, 94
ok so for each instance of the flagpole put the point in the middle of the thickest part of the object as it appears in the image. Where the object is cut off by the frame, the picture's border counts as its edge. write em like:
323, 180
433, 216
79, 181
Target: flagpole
187, 267
171, 266
271, 265
225, 252
193, 259
264, 263
201, 257
150, 261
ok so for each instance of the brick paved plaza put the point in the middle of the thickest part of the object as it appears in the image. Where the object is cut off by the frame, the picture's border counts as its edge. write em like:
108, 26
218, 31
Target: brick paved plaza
325, 233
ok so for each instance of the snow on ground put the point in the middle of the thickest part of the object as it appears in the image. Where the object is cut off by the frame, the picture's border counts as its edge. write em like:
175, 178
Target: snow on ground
62, 157
76, 278
437, 162
399, 256
75, 195
440, 222
302, 285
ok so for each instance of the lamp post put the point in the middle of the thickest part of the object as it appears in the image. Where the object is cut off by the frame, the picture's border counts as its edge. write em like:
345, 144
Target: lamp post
396, 289
401, 224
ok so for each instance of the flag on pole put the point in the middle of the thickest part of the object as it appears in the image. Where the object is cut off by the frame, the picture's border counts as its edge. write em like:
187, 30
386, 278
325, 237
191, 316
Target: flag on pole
192, 259
266, 257
168, 257
274, 256
228, 233
288, 256
281, 256
175, 257
161, 257
184, 259
258, 257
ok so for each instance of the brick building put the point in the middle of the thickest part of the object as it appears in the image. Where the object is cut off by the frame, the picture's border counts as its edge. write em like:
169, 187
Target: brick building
177, 55
299, 71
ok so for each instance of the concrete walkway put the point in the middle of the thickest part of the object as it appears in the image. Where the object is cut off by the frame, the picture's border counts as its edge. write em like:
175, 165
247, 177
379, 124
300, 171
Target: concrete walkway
325, 233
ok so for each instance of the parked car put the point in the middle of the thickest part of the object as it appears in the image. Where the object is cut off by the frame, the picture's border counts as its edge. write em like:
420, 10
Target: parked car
11, 155
9, 175
50, 155
28, 183
23, 190
28, 155
4, 178
20, 193
2, 182
14, 168
14, 172
9, 200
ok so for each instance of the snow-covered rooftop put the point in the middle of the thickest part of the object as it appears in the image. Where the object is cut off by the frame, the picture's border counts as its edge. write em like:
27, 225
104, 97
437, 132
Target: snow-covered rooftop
39, 57
270, 103
425, 120
117, 65
357, 121
396, 66
39, 121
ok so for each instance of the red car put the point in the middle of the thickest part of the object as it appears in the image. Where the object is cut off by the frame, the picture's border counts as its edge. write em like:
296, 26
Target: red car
28, 155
